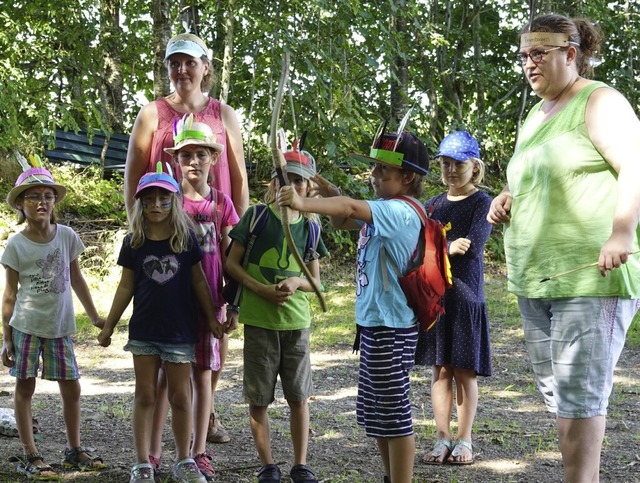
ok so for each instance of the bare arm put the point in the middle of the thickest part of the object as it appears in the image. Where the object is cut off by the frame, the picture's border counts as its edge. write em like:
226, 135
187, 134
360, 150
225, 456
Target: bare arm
235, 155
337, 206
81, 289
326, 189
203, 294
139, 150
121, 299
8, 304
614, 130
240, 275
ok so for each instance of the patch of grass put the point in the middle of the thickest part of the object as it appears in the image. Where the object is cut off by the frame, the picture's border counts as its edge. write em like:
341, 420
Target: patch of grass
633, 337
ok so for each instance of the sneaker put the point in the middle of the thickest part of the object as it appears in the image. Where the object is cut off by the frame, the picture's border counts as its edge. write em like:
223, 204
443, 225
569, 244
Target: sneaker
303, 474
204, 463
141, 472
155, 462
186, 471
269, 474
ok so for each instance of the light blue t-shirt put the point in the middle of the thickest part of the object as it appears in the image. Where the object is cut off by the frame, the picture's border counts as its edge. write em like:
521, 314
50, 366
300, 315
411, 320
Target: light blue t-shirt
396, 226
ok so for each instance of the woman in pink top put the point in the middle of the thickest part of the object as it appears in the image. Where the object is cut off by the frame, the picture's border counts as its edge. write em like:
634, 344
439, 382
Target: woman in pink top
187, 61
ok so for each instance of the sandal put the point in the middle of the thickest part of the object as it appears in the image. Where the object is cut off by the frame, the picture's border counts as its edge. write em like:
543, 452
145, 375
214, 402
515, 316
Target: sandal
458, 451
439, 454
27, 466
73, 459
216, 432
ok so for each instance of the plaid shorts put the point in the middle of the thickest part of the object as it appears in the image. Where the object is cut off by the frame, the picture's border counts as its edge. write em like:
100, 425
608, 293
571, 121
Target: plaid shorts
58, 359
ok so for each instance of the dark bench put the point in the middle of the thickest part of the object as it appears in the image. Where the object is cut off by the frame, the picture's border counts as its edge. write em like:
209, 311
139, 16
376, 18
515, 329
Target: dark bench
77, 149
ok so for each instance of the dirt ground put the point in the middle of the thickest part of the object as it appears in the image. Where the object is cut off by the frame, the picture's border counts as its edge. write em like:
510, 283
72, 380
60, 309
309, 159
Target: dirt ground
514, 437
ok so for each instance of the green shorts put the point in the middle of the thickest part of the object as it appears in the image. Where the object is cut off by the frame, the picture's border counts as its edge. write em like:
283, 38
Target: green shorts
272, 353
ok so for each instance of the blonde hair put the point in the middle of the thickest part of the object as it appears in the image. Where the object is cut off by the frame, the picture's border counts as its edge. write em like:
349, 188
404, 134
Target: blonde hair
477, 177
180, 223
272, 192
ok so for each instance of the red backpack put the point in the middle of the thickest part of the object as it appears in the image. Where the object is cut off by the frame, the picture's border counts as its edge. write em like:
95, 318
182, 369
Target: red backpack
429, 273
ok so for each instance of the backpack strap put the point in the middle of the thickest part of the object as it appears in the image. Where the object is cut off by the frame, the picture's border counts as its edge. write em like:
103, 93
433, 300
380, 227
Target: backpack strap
422, 214
313, 238
259, 216
217, 210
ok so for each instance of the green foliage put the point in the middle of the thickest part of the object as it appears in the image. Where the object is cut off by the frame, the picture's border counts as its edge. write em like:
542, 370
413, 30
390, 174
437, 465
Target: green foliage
89, 196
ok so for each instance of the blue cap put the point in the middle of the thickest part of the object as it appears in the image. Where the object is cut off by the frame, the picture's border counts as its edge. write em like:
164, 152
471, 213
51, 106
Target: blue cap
459, 145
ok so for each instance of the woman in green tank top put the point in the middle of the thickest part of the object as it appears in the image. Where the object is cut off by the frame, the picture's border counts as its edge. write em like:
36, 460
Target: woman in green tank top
572, 198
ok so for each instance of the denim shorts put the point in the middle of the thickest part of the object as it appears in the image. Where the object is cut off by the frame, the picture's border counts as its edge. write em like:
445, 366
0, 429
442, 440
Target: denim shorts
58, 359
175, 353
574, 345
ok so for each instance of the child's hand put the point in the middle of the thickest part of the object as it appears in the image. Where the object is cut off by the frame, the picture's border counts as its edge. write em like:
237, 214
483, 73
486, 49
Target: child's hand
231, 323
289, 285
275, 295
459, 246
324, 187
8, 358
287, 196
99, 322
104, 337
216, 328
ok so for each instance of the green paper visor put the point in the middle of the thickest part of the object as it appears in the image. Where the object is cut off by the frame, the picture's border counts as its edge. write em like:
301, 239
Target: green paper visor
391, 157
199, 135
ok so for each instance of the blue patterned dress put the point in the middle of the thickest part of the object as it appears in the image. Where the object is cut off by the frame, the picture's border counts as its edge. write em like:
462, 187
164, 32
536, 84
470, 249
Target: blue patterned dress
462, 337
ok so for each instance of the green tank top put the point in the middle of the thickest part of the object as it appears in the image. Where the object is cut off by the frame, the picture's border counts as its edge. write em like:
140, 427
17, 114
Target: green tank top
564, 197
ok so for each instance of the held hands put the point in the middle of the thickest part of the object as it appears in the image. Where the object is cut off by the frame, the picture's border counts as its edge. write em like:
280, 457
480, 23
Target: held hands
99, 322
459, 246
104, 337
500, 208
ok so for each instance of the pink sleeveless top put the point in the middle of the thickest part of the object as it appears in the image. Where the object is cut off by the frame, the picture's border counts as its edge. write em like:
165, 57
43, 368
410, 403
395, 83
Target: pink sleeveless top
163, 138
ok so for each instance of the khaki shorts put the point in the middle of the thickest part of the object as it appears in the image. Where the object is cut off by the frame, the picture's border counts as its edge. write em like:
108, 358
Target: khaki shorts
272, 353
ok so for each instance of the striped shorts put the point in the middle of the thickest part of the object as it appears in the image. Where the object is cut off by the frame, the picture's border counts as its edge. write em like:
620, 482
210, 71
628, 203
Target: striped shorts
58, 359
386, 358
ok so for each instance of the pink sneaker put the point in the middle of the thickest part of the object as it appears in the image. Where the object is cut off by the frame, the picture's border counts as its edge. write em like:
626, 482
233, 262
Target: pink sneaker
203, 461
155, 462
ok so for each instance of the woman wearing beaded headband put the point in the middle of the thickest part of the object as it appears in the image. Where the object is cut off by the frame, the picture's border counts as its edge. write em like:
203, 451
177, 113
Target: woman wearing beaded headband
572, 195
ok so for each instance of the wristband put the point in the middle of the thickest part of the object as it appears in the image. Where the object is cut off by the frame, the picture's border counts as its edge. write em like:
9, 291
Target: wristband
233, 308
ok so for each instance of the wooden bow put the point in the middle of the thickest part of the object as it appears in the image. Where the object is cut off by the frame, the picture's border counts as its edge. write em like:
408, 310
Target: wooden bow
280, 165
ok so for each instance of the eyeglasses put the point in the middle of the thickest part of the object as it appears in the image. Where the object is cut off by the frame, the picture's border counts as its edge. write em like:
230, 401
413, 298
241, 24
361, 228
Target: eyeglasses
535, 55
201, 156
35, 199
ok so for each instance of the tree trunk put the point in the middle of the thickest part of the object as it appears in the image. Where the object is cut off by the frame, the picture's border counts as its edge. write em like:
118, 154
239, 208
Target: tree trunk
399, 81
227, 60
161, 35
111, 85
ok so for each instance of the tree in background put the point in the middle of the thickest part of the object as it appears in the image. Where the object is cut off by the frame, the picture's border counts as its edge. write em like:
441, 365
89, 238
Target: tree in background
354, 62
